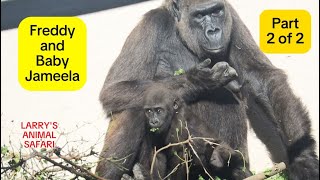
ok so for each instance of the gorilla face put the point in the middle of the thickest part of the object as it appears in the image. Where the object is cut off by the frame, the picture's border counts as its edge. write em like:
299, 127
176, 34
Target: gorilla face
157, 116
160, 105
204, 25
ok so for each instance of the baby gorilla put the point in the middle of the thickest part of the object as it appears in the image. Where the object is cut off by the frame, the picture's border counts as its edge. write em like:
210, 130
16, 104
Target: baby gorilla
169, 121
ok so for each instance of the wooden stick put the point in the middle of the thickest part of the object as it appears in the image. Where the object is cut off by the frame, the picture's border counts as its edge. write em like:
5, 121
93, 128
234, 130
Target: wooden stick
263, 175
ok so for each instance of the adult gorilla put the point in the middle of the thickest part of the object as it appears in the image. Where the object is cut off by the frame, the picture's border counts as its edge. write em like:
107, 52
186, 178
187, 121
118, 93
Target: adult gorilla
182, 34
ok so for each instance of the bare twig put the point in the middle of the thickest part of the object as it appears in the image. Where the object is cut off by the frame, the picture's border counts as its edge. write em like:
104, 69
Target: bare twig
117, 162
70, 169
33, 163
20, 163
81, 168
196, 154
173, 170
228, 162
186, 160
163, 148
244, 160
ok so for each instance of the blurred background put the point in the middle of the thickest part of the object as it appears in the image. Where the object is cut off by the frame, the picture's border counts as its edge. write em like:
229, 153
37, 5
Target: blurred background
108, 24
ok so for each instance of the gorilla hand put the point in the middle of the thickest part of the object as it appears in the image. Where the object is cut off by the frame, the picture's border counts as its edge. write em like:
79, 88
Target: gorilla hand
221, 155
229, 163
210, 78
126, 177
138, 173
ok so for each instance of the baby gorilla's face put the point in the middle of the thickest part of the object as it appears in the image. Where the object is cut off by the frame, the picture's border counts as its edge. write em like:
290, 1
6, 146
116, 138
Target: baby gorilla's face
160, 104
157, 118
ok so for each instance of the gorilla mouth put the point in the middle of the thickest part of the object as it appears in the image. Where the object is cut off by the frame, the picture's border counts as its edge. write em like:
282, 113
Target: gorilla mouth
213, 50
158, 125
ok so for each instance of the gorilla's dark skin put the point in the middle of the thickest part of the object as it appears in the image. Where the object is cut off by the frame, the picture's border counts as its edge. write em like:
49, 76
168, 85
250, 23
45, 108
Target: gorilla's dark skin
179, 35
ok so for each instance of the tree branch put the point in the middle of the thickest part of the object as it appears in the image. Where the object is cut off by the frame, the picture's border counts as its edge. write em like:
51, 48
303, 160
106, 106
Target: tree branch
73, 171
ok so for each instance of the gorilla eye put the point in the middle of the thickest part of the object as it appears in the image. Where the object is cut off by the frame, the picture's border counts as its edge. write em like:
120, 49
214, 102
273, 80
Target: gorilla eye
159, 110
199, 16
148, 111
217, 12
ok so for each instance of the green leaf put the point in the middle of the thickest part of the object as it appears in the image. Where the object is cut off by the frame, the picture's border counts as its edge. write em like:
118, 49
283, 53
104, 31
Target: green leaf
200, 178
16, 159
4, 149
267, 172
154, 129
179, 72
279, 176
18, 169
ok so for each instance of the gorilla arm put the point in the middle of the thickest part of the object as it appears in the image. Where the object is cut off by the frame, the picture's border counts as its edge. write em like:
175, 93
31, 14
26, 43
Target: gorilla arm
275, 113
128, 78
133, 70
128, 94
294, 121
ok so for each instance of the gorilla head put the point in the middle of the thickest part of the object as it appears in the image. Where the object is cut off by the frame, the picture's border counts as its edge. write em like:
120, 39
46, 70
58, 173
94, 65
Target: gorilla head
204, 25
160, 105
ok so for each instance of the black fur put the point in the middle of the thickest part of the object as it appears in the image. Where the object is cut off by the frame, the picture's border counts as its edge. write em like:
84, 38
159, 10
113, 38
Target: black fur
162, 43
178, 116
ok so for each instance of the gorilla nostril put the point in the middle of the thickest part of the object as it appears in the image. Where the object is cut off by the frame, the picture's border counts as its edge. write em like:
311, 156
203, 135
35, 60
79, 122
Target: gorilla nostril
154, 122
210, 32
216, 30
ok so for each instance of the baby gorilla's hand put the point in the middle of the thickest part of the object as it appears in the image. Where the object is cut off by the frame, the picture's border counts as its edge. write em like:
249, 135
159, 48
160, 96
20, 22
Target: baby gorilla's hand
126, 177
221, 156
138, 173
227, 160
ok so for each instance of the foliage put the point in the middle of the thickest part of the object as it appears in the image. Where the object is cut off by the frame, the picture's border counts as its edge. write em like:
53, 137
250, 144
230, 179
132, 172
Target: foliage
154, 129
64, 162
179, 72
279, 176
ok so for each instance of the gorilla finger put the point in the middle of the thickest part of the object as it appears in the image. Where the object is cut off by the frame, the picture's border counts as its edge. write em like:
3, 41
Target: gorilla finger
216, 160
205, 63
220, 67
216, 163
230, 72
138, 172
126, 177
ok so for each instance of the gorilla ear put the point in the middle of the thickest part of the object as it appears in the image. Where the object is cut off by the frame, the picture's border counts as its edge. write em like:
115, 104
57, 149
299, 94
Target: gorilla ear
176, 104
176, 9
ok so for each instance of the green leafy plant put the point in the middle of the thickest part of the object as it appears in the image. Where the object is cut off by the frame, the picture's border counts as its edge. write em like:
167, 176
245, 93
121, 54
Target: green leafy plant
154, 129
4, 149
179, 72
279, 176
